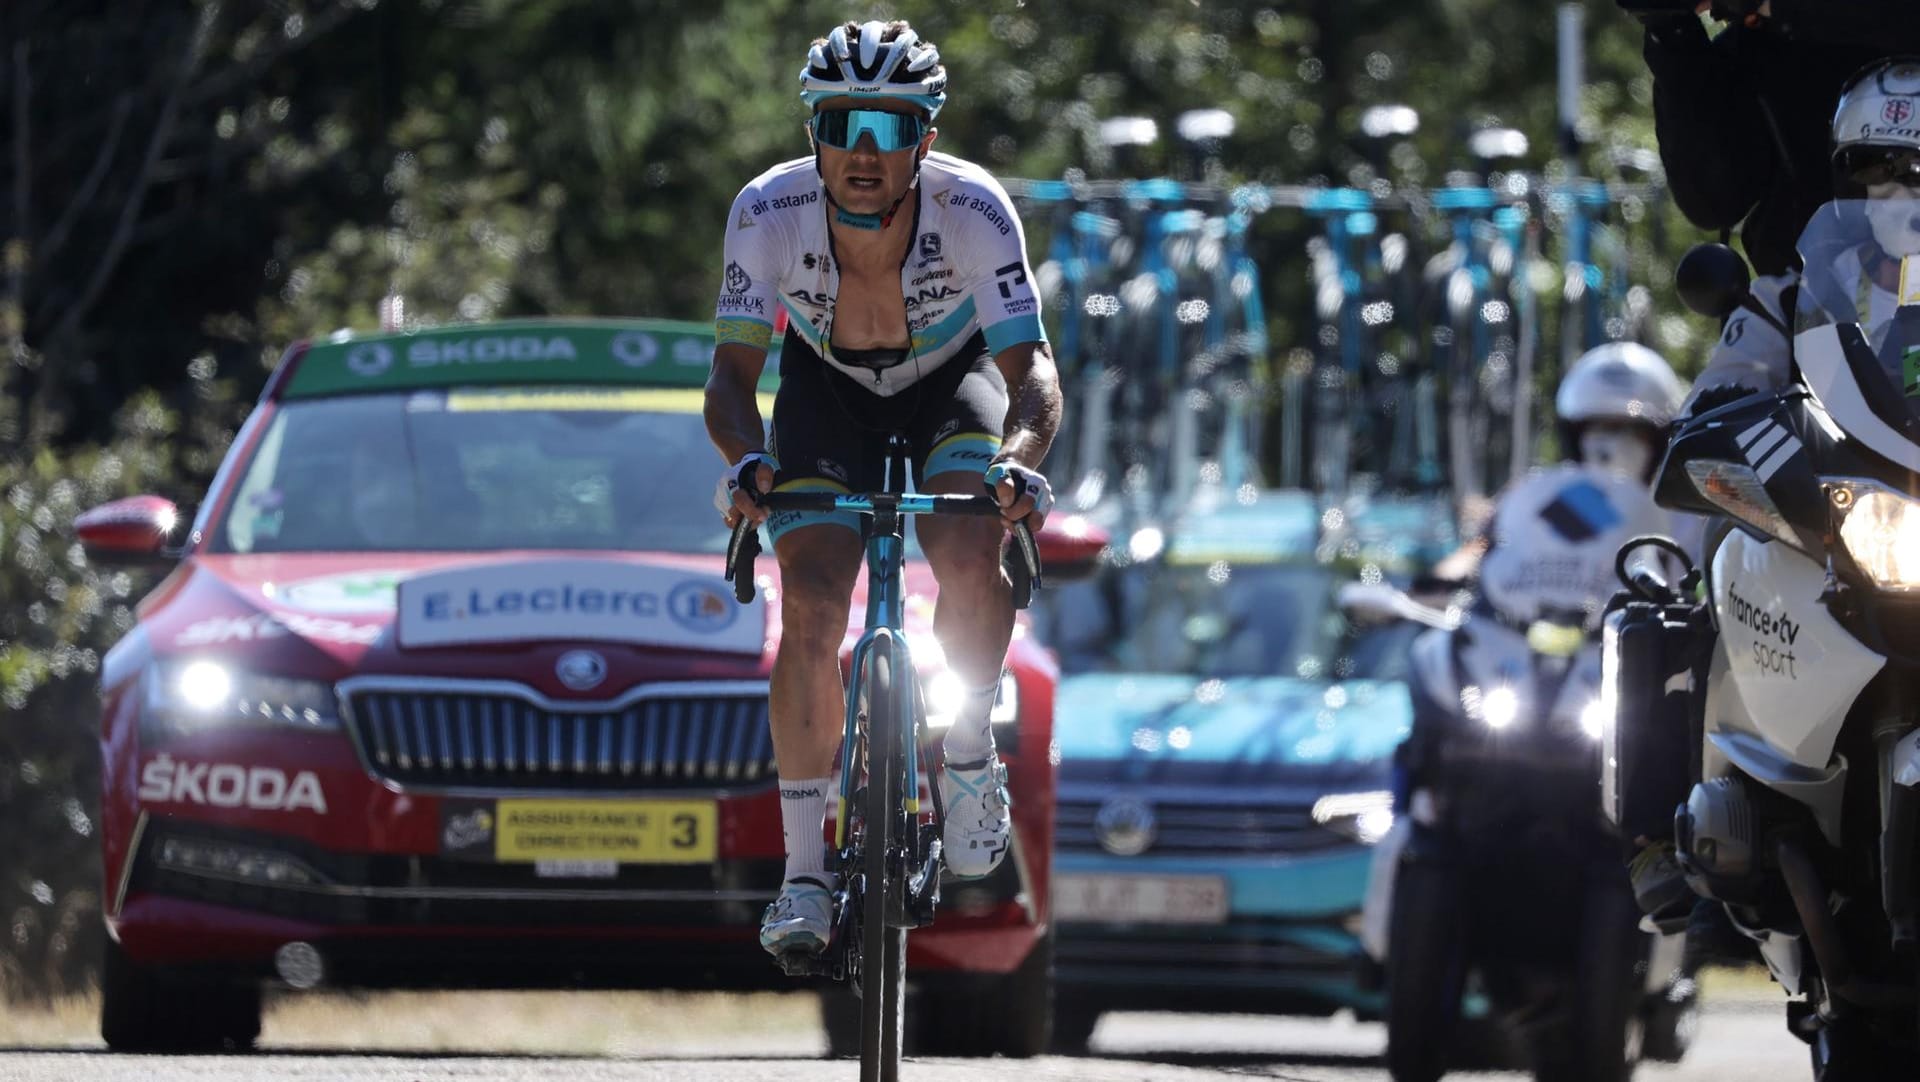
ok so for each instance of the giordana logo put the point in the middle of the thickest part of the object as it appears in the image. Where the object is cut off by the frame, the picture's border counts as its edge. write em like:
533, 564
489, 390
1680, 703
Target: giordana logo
1897, 111
702, 607
581, 670
635, 349
227, 785
369, 359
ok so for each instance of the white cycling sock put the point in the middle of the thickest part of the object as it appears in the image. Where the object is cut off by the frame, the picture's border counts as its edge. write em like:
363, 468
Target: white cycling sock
803, 817
970, 740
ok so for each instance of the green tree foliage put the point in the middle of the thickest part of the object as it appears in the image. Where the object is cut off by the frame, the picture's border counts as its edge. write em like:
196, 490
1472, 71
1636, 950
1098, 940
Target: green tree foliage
190, 185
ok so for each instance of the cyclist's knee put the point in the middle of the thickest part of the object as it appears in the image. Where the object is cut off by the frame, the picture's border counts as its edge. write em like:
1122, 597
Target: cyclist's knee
818, 568
962, 550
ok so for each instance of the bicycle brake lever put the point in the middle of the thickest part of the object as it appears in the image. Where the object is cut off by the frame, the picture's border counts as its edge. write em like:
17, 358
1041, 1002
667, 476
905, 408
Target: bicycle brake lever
742, 548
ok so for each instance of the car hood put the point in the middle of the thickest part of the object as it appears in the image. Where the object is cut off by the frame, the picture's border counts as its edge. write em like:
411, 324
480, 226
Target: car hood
1258, 730
329, 616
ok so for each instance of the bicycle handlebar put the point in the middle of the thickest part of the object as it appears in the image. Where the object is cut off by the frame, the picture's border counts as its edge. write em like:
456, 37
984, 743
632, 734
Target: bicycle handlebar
1021, 560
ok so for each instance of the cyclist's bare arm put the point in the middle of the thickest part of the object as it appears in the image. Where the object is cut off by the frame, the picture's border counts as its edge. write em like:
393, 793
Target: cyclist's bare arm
1033, 409
732, 408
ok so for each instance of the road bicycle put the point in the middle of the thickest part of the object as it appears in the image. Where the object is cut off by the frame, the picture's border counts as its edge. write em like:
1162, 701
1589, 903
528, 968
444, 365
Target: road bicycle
886, 850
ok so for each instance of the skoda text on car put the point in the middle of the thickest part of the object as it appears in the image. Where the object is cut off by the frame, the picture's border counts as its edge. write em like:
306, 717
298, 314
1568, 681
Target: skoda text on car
1225, 753
446, 689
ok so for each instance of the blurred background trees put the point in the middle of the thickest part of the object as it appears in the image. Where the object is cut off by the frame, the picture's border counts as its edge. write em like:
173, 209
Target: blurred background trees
189, 185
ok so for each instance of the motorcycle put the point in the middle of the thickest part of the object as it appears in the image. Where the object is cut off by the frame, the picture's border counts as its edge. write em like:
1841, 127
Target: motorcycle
1795, 687
1501, 898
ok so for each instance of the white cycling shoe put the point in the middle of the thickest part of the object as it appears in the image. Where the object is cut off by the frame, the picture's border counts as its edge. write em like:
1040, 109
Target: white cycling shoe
974, 836
800, 919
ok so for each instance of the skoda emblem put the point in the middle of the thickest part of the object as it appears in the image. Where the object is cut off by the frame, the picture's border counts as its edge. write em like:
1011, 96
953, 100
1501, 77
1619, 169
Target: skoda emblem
1124, 827
581, 670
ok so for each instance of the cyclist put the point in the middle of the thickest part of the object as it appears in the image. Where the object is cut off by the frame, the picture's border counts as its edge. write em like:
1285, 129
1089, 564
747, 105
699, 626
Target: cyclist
903, 276
1875, 158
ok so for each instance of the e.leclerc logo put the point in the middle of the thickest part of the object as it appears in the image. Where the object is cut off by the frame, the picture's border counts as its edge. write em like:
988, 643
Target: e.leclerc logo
482, 604
701, 607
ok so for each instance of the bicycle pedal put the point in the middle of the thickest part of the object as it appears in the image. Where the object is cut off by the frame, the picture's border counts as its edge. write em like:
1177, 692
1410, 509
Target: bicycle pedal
800, 963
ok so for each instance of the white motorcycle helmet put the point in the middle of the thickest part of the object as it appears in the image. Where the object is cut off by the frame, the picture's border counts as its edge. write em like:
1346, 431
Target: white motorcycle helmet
1876, 150
1614, 406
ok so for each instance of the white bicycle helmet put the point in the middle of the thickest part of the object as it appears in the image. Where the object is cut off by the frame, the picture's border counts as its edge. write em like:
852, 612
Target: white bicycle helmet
1876, 150
875, 60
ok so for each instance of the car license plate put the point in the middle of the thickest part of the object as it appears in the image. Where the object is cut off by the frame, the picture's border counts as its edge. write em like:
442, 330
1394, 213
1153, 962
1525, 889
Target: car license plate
620, 831
576, 869
1141, 899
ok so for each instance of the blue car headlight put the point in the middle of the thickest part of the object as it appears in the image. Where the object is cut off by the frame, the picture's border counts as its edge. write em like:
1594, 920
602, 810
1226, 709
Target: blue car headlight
198, 694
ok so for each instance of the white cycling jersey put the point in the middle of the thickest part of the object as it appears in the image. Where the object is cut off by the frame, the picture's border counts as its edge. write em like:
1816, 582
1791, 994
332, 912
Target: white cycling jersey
966, 269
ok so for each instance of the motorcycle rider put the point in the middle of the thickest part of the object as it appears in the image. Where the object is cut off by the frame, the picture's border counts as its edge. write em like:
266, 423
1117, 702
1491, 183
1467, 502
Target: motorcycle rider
1613, 408
1875, 157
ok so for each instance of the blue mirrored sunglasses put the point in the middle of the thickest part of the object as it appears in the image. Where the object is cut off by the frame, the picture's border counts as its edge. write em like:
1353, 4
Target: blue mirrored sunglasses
842, 128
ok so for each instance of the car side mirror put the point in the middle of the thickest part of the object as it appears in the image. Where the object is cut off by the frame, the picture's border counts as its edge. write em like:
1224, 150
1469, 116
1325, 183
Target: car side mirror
134, 530
1070, 548
1712, 280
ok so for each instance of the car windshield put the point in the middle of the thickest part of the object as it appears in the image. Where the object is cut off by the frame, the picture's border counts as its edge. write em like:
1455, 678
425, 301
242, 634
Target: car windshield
1225, 619
479, 470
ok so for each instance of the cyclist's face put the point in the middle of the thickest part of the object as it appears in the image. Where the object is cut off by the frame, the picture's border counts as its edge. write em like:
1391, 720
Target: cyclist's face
864, 179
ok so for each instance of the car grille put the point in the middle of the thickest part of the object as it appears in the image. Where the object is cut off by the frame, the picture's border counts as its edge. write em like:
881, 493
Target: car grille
496, 739
1191, 829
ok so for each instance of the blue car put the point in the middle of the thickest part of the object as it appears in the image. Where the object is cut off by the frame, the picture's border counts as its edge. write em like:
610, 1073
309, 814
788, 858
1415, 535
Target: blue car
1225, 742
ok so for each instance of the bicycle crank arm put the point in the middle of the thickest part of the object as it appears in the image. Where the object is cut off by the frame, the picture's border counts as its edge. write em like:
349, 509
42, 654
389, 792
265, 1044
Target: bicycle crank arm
923, 889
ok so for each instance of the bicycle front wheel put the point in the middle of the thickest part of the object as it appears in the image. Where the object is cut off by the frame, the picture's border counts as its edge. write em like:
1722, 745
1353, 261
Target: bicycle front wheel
883, 947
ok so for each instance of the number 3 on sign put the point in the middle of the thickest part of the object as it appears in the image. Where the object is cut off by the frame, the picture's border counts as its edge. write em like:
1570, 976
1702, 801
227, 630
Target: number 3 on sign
684, 831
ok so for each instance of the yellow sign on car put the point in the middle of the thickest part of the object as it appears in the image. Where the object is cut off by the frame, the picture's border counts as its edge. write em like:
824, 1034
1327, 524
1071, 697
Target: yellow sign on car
624, 831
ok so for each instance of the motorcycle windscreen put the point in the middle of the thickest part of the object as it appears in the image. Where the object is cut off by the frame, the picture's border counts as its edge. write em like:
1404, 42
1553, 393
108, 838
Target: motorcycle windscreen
1857, 320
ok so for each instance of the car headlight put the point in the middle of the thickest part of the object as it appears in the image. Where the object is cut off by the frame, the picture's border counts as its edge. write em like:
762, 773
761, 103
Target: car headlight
946, 693
1881, 530
195, 695
1364, 817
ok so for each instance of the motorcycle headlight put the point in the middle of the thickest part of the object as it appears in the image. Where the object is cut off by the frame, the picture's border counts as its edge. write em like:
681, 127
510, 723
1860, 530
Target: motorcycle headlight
196, 695
1499, 707
1593, 718
1881, 530
1364, 817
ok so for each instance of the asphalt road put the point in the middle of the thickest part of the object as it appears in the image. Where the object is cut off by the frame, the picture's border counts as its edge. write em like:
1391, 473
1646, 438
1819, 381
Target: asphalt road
1742, 1042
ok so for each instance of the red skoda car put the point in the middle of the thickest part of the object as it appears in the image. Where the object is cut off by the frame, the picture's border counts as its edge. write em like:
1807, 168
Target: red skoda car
445, 690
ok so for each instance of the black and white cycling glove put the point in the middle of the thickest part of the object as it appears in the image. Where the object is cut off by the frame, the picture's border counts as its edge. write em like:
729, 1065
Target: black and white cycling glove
736, 476
1026, 482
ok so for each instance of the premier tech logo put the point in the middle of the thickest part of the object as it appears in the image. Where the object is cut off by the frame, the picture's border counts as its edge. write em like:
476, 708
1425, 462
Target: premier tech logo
1767, 446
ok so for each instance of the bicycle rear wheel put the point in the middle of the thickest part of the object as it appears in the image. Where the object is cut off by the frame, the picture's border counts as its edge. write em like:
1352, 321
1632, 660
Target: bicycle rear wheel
883, 965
